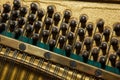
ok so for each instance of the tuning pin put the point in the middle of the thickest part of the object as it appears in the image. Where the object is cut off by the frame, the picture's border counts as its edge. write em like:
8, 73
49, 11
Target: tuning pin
52, 44
117, 29
118, 52
14, 14
114, 43
50, 10
35, 38
88, 42
56, 18
37, 26
67, 15
70, 38
31, 18
97, 38
40, 14
6, 8
2, 27
95, 52
61, 41
102, 60
81, 34
100, 25
103, 47
112, 59
33, 7
73, 24
16, 4
21, 21
12, 25
48, 22
29, 28
83, 20
45, 34
85, 55
106, 33
78, 46
64, 28
4, 17
54, 32
23, 11
18, 32
118, 65
90, 29
68, 49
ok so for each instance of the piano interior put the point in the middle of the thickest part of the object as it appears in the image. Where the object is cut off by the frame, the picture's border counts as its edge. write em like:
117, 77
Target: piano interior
59, 40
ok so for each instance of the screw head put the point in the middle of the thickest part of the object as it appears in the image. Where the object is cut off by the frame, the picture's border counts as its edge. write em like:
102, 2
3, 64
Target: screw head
22, 47
47, 55
98, 73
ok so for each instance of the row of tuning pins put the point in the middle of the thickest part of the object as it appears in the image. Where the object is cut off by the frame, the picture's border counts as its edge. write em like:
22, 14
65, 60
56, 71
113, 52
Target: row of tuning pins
82, 27
67, 28
16, 18
88, 42
10, 13
71, 34
95, 56
82, 34
114, 42
34, 22
46, 24
114, 52
4, 16
96, 36
15, 14
37, 24
27, 25
55, 30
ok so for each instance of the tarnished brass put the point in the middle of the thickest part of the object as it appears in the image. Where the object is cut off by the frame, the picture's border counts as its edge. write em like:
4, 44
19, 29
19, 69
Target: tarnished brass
58, 59
62, 67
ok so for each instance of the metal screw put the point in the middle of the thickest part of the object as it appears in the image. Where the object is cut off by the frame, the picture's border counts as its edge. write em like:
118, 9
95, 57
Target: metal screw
98, 73
22, 47
73, 64
47, 55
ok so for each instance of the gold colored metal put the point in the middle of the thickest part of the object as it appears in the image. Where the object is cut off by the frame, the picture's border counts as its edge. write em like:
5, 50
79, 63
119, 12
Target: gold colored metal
94, 11
17, 61
32, 50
